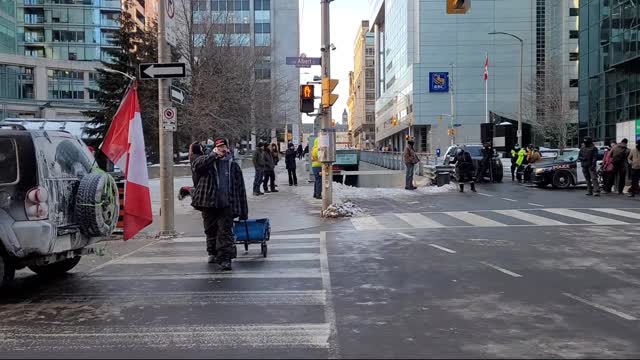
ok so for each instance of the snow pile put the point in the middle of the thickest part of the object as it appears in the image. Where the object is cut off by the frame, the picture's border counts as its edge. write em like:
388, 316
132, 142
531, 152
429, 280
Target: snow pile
346, 209
345, 192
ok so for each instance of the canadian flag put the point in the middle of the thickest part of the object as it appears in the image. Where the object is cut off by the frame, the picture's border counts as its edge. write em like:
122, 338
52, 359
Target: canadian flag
486, 67
124, 146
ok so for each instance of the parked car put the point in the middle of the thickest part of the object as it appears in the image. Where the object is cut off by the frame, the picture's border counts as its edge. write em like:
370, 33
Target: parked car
563, 171
475, 150
54, 201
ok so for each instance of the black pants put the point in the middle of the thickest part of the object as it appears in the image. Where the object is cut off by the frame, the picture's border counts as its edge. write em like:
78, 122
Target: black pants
293, 177
258, 180
591, 177
609, 179
635, 181
218, 227
619, 171
514, 166
269, 175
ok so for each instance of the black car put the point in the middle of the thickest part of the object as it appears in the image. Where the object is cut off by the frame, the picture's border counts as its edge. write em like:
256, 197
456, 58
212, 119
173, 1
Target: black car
563, 171
476, 152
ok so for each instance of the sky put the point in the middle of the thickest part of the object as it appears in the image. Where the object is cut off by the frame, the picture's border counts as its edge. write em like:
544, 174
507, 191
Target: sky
346, 17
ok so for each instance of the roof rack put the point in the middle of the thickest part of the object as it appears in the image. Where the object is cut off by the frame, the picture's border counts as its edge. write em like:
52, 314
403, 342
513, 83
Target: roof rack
13, 126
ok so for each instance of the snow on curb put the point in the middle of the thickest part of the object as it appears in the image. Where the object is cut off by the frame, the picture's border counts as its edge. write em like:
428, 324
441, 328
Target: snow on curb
346, 209
344, 193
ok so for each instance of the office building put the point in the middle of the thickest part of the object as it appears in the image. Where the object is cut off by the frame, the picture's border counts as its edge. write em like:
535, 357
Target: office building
609, 70
430, 66
362, 89
49, 50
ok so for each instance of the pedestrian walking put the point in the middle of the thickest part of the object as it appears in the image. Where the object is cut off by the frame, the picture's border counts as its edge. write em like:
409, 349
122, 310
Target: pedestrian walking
306, 150
410, 160
514, 161
464, 169
259, 165
221, 197
634, 161
316, 167
608, 176
619, 156
290, 162
269, 170
588, 158
300, 152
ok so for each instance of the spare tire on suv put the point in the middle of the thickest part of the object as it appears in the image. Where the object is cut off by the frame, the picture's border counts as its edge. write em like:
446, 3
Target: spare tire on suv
97, 204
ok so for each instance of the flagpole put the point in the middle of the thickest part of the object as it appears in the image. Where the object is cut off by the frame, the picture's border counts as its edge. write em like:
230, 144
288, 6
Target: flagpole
486, 90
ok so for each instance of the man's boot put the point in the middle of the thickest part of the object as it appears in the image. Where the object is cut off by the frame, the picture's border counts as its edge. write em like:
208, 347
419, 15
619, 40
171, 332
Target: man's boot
473, 187
225, 265
212, 259
461, 187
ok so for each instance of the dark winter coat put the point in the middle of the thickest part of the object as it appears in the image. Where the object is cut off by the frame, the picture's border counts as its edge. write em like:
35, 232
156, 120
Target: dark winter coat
269, 164
290, 159
619, 154
588, 157
464, 164
258, 159
204, 195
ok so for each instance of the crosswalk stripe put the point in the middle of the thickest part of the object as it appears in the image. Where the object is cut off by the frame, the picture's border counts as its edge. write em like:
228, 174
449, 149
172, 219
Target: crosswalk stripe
366, 223
202, 248
584, 216
239, 274
141, 260
266, 297
534, 219
419, 221
474, 219
45, 338
295, 236
627, 214
201, 239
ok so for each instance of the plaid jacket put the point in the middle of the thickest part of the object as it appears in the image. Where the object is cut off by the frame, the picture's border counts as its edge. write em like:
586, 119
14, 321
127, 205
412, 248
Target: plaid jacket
204, 195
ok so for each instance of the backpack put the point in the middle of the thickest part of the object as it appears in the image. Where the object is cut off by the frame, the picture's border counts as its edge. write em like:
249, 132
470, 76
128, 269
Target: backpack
466, 157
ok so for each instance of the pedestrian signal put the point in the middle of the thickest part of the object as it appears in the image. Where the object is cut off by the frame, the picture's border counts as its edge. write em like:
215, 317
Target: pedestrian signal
458, 6
307, 99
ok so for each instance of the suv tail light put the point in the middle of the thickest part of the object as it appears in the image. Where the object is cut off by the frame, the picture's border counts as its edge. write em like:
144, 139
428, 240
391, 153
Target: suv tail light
36, 204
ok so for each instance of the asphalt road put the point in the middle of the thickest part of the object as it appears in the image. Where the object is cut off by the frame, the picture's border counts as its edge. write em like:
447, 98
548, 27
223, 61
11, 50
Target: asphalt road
511, 271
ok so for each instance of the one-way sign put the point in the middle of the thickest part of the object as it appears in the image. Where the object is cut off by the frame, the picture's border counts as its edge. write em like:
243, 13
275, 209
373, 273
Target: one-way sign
162, 71
177, 95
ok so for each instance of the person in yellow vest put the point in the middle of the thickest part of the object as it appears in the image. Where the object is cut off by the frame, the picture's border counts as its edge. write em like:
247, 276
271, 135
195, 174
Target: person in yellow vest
514, 159
316, 166
520, 162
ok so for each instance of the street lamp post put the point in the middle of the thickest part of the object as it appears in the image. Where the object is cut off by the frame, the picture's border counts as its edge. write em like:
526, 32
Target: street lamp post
521, 71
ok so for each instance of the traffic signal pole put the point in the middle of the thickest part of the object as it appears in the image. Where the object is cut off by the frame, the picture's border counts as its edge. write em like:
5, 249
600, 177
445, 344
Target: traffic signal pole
327, 168
166, 136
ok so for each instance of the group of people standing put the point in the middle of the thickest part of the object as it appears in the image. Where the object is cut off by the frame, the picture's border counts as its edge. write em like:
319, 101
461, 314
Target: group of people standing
266, 158
521, 161
617, 159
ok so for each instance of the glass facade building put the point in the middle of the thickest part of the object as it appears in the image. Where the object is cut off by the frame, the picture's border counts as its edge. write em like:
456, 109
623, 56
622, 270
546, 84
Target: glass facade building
609, 72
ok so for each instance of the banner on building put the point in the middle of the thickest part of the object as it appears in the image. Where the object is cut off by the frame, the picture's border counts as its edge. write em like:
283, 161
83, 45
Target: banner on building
439, 82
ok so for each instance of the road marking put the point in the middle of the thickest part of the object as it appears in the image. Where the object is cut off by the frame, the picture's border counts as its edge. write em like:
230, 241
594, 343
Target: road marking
329, 310
627, 214
534, 204
266, 297
200, 248
175, 337
118, 259
287, 274
598, 220
534, 219
414, 202
442, 248
366, 223
601, 307
203, 259
407, 236
295, 236
201, 239
483, 194
503, 270
419, 221
474, 219
507, 199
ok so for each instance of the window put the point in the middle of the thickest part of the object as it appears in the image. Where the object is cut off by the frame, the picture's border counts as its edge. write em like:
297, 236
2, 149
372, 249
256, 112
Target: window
200, 5
574, 56
263, 28
8, 161
574, 11
370, 51
574, 34
261, 4
573, 83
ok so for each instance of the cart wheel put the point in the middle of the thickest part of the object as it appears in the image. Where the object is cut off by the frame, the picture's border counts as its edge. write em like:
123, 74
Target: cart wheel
246, 245
264, 250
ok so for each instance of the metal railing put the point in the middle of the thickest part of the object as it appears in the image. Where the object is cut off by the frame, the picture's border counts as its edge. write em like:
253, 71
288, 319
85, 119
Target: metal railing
394, 160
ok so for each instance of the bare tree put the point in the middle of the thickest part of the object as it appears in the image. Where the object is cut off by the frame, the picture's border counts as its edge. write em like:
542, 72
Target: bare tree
547, 109
225, 96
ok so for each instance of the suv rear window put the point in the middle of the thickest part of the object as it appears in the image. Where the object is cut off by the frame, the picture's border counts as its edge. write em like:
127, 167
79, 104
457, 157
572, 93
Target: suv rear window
8, 162
474, 151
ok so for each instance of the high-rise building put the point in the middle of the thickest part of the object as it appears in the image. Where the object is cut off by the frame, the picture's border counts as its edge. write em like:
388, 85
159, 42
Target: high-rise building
49, 50
362, 89
609, 81
430, 64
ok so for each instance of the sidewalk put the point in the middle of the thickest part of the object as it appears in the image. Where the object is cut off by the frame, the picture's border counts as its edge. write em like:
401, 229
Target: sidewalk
287, 210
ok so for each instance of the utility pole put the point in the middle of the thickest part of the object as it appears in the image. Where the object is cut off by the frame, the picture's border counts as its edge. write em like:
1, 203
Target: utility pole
327, 168
166, 137
453, 137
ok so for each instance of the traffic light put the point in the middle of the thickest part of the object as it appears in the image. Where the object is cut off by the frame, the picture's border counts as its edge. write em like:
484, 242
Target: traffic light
458, 6
328, 85
307, 98
451, 132
394, 121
